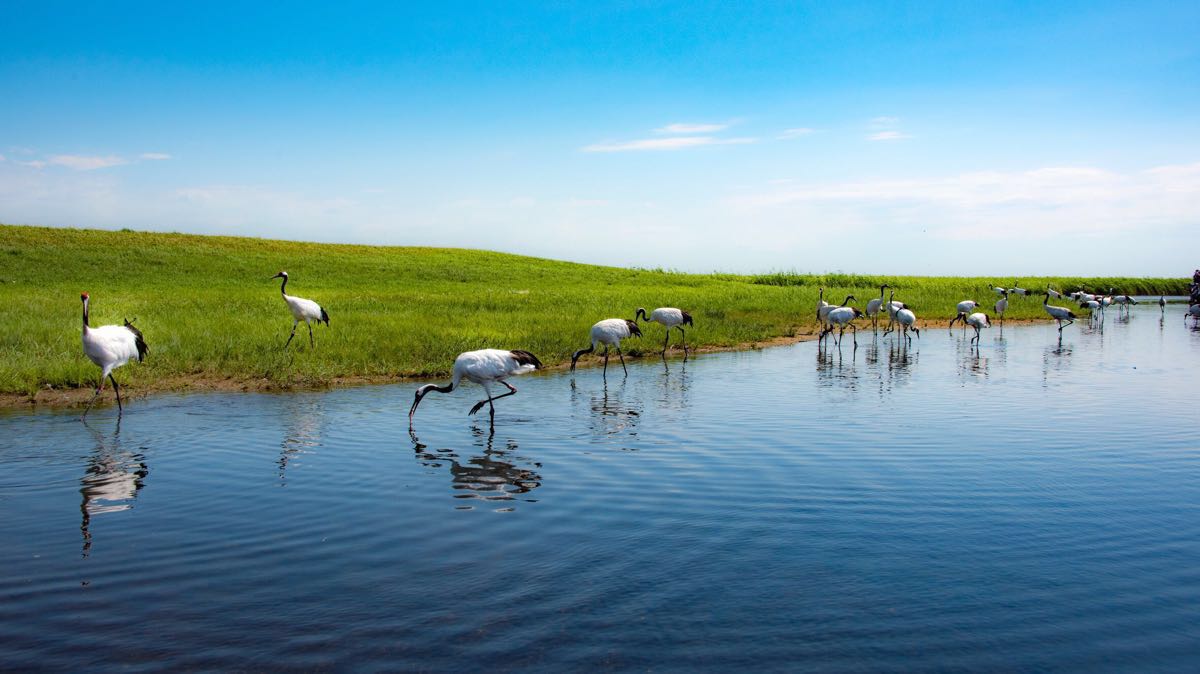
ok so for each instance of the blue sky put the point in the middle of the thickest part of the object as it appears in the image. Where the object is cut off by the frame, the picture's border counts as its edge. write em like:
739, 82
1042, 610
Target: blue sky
943, 138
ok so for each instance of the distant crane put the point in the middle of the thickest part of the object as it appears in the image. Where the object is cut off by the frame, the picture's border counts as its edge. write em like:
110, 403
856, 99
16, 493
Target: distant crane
892, 307
110, 347
302, 310
908, 321
668, 317
483, 367
978, 320
874, 306
963, 308
841, 317
1000, 291
1059, 314
1193, 311
821, 303
1162, 304
609, 332
823, 314
1015, 290
1001, 307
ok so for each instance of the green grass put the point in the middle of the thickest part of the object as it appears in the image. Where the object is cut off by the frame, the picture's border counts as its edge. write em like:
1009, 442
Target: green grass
209, 312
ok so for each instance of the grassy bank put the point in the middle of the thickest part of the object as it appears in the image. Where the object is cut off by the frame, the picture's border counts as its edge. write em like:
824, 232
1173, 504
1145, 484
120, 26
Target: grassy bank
209, 312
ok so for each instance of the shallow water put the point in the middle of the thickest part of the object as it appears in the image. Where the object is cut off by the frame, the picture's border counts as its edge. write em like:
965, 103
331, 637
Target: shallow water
1025, 505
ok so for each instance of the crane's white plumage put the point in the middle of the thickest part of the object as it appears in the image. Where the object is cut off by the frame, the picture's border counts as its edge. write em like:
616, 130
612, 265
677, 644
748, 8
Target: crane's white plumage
302, 310
1059, 314
483, 367
840, 317
668, 317
963, 308
1193, 311
874, 306
1001, 307
1015, 290
110, 347
1000, 291
978, 320
609, 332
823, 315
908, 321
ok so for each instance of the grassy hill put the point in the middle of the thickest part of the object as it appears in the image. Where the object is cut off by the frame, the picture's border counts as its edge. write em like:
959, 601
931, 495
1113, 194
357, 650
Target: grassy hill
209, 312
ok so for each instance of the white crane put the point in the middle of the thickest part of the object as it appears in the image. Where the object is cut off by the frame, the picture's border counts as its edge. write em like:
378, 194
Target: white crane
1054, 293
1000, 291
874, 306
1059, 314
978, 320
841, 317
668, 317
483, 367
823, 315
110, 347
892, 307
821, 303
963, 308
609, 332
1015, 290
1001, 307
302, 310
908, 321
1193, 311
1162, 304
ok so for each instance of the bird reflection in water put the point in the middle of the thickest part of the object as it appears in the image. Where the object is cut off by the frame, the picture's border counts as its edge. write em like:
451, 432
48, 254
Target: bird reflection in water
111, 481
303, 418
609, 413
495, 475
835, 369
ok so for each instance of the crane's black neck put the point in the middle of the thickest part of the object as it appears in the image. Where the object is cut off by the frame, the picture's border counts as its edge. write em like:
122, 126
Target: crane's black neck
85, 314
282, 286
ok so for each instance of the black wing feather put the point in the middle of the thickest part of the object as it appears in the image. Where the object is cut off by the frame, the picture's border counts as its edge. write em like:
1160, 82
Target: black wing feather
139, 340
526, 358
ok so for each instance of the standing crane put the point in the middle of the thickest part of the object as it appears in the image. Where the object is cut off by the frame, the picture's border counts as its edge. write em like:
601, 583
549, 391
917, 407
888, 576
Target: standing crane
874, 306
1059, 314
1162, 304
908, 321
1001, 307
483, 367
668, 317
978, 320
841, 317
302, 310
963, 308
110, 347
609, 332
823, 315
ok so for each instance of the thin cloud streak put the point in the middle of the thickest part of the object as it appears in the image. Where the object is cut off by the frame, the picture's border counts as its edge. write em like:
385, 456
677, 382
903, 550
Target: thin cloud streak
888, 135
85, 163
677, 143
155, 156
692, 128
788, 134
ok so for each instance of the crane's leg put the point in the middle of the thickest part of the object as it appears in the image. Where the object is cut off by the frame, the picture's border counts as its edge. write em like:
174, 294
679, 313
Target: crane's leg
479, 405
683, 341
666, 341
952, 325
854, 334
605, 361
100, 386
311, 344
294, 324
116, 389
622, 356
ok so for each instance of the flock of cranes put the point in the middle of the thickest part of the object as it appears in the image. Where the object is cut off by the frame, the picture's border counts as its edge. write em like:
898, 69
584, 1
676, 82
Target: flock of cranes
111, 346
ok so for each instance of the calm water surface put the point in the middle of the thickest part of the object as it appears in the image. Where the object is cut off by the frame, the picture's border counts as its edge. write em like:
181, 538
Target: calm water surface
1027, 505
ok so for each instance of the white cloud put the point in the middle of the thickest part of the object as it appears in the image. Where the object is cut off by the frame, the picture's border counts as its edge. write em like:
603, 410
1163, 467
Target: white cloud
692, 128
677, 143
794, 133
35, 163
84, 163
1, 157
1037, 204
155, 156
884, 122
888, 135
